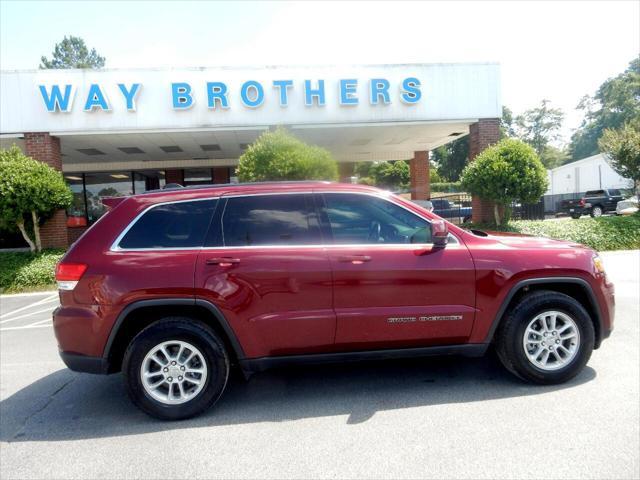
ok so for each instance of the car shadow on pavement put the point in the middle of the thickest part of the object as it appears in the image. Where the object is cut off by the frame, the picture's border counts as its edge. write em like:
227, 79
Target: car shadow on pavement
69, 406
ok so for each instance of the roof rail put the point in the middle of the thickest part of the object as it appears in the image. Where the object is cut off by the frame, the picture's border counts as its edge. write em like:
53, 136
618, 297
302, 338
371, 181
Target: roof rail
176, 186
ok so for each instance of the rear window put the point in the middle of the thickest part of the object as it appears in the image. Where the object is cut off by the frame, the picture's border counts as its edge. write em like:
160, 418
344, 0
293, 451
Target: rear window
174, 225
614, 192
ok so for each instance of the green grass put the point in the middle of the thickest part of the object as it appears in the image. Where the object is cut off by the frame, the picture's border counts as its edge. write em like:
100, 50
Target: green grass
25, 271
604, 233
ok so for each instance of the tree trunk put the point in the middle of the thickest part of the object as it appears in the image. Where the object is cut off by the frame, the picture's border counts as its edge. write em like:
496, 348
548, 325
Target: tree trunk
496, 213
36, 229
20, 224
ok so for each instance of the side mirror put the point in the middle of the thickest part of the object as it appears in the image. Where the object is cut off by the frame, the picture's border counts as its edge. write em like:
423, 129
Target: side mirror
439, 233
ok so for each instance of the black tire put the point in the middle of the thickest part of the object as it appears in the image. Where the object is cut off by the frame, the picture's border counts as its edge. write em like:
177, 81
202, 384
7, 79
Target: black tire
510, 335
183, 329
596, 211
575, 216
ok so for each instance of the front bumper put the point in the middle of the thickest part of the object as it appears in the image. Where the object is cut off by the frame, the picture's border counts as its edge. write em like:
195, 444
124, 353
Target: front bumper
85, 364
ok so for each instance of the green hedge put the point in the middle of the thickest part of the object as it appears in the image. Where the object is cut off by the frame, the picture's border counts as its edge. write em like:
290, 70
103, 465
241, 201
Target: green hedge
604, 233
447, 187
25, 271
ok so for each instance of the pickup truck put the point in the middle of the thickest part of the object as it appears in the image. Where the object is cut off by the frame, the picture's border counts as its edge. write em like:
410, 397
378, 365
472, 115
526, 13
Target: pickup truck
594, 203
450, 211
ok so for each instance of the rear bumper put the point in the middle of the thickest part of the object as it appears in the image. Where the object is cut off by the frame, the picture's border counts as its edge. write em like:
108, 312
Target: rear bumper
85, 364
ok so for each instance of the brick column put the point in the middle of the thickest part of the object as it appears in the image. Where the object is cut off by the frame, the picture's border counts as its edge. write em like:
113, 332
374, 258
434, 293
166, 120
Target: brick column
419, 171
220, 174
482, 134
174, 176
45, 148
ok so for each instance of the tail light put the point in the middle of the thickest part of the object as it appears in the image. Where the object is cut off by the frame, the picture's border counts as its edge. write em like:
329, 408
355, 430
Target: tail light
582, 202
68, 274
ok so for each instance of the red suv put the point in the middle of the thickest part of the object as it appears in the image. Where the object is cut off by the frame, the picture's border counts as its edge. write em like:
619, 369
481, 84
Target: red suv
173, 287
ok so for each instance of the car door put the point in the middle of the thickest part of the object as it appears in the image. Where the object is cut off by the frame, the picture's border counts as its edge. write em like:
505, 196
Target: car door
392, 287
264, 267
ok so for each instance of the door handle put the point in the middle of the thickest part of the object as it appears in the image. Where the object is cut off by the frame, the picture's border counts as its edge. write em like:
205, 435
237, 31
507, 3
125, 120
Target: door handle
222, 261
354, 259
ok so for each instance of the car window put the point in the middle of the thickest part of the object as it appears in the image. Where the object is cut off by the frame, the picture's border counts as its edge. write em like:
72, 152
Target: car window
365, 219
286, 219
614, 192
173, 225
594, 193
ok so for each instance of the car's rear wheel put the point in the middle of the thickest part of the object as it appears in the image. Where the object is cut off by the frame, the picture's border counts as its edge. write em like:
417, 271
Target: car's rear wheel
547, 338
596, 211
175, 368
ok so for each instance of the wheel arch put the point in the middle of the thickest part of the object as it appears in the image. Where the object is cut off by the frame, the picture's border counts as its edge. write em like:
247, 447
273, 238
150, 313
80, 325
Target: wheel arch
138, 315
575, 287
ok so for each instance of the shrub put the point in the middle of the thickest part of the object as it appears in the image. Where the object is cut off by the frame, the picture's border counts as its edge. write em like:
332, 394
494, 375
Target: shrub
603, 233
278, 155
446, 187
29, 189
21, 271
506, 172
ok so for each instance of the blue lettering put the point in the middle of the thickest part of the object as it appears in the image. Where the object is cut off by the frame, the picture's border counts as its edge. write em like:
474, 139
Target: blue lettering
130, 95
411, 92
348, 92
310, 93
217, 91
259, 93
95, 99
57, 101
283, 85
181, 94
379, 87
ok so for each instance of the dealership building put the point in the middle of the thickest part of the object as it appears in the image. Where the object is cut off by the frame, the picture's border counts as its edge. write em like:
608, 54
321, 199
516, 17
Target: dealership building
121, 132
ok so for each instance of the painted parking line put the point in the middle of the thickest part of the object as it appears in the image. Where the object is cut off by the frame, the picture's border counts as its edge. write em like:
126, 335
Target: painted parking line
25, 315
28, 327
49, 299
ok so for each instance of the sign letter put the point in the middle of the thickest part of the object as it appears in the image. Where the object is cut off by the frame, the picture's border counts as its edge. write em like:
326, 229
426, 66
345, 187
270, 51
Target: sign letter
181, 93
130, 95
57, 101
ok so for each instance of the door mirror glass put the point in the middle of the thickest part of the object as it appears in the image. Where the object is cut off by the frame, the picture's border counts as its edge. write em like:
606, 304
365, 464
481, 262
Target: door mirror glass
439, 232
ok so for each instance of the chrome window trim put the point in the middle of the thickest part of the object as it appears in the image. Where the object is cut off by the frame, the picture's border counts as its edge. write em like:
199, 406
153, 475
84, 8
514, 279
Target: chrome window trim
116, 248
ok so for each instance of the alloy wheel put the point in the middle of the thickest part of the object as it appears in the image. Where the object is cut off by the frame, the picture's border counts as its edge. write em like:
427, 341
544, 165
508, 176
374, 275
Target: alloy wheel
551, 340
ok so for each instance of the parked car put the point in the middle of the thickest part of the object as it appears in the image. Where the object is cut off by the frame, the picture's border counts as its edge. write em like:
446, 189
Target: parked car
628, 206
173, 287
594, 203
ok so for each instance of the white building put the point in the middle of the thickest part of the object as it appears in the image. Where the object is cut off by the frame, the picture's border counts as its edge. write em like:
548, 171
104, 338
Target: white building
591, 173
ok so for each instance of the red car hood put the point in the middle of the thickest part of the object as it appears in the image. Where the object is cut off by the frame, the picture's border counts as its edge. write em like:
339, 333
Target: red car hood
529, 241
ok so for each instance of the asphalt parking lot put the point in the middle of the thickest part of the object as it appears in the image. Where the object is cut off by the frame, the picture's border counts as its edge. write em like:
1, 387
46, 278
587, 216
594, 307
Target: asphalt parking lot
440, 417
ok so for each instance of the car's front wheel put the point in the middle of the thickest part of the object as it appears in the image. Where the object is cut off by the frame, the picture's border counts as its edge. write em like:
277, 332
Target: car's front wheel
547, 338
175, 368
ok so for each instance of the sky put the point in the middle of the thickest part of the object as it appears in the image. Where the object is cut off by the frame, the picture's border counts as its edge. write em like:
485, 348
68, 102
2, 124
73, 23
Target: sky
555, 50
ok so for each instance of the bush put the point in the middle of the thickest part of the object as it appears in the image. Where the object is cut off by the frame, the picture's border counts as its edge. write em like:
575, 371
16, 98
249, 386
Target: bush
506, 172
446, 187
23, 271
279, 155
604, 233
29, 190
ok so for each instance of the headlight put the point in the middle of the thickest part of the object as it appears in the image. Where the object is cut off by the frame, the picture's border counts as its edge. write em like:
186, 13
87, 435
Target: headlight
598, 264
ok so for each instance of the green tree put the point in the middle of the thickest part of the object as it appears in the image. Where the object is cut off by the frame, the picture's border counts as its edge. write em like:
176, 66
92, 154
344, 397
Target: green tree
507, 124
29, 189
552, 157
278, 155
622, 148
539, 126
615, 103
391, 175
506, 172
452, 158
72, 52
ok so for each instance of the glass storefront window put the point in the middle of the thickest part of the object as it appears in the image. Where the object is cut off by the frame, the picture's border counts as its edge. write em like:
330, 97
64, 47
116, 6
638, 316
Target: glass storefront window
77, 212
197, 176
148, 180
112, 184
